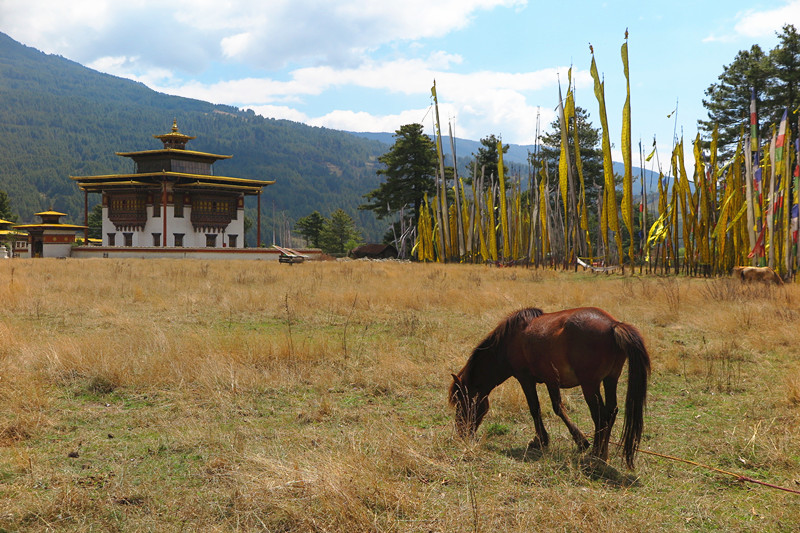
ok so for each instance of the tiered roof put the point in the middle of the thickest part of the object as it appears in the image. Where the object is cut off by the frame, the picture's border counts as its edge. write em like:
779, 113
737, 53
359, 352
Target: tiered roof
174, 150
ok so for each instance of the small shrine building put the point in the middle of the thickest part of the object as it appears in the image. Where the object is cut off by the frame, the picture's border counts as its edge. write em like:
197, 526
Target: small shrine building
50, 238
14, 242
173, 199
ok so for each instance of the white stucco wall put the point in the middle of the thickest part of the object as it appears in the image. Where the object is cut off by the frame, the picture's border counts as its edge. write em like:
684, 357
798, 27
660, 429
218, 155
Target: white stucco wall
56, 250
191, 238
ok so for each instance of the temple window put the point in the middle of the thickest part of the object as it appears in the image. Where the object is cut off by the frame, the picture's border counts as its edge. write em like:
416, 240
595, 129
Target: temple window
128, 239
177, 209
211, 240
112, 239
178, 239
156, 239
232, 240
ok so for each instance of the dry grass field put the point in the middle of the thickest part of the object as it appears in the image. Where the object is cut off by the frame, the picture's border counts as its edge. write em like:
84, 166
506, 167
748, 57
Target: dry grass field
232, 396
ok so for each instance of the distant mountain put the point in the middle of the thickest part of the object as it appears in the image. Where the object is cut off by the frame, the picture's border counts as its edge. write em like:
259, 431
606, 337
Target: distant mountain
58, 118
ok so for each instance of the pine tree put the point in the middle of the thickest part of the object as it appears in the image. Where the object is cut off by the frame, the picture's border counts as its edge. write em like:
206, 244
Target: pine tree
728, 100
96, 222
310, 227
488, 159
784, 91
5, 208
339, 233
410, 168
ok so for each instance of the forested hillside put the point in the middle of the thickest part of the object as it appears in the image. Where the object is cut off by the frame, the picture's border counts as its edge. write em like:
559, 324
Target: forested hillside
58, 118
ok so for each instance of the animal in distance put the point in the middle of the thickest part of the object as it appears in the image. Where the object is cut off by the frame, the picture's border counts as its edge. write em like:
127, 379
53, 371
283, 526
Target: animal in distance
583, 347
756, 274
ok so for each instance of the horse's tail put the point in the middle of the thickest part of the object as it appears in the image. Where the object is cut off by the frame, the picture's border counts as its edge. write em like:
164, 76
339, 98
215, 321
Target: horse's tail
631, 342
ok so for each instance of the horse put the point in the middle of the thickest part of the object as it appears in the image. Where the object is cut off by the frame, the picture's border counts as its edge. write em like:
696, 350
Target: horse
575, 347
765, 274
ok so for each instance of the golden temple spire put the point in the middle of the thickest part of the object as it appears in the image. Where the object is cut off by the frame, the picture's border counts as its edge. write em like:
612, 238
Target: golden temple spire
174, 139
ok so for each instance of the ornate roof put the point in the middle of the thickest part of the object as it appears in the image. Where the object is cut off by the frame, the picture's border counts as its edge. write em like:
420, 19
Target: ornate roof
153, 180
174, 139
50, 220
151, 175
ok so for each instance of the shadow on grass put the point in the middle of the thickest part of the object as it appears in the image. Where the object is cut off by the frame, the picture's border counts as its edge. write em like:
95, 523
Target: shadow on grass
599, 470
590, 466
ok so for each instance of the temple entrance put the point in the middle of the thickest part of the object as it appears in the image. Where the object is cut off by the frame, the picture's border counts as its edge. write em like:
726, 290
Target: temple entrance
37, 246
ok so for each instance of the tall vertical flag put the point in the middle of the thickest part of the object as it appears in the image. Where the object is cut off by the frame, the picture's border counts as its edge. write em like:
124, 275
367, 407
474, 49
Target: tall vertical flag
609, 195
627, 183
503, 208
582, 211
753, 121
444, 227
780, 141
796, 206
564, 166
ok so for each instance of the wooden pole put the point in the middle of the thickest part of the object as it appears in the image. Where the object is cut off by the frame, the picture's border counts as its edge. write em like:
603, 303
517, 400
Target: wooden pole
164, 213
258, 223
86, 217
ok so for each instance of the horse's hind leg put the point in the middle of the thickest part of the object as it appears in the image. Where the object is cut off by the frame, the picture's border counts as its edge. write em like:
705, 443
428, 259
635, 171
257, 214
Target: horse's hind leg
610, 389
601, 429
529, 388
558, 408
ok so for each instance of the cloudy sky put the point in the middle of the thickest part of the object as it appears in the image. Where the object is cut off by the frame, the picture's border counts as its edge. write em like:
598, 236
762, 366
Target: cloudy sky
368, 65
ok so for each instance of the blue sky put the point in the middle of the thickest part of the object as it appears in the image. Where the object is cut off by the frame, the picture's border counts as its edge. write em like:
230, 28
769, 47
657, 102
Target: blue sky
367, 65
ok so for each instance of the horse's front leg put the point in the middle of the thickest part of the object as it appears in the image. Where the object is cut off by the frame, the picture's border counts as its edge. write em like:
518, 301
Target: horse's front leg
558, 408
529, 388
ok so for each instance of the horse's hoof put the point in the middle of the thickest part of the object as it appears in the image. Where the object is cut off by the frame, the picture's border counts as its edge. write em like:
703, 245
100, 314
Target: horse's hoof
583, 445
537, 444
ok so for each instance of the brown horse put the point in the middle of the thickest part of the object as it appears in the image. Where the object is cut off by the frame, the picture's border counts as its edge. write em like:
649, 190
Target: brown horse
583, 346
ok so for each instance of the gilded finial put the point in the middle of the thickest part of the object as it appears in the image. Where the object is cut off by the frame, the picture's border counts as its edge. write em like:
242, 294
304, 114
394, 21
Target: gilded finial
175, 125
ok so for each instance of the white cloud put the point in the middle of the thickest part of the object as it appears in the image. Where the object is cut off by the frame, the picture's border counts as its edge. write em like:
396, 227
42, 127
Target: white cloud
186, 34
361, 121
478, 100
755, 24
123, 66
235, 44
280, 112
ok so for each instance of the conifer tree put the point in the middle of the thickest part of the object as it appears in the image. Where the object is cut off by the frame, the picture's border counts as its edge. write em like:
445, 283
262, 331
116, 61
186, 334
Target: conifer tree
339, 233
784, 91
310, 227
410, 168
728, 100
488, 159
6, 213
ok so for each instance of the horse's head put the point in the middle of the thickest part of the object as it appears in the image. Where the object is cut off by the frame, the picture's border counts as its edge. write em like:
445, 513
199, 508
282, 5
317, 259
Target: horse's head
471, 406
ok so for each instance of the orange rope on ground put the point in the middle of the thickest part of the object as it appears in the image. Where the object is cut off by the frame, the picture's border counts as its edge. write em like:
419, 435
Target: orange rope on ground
738, 477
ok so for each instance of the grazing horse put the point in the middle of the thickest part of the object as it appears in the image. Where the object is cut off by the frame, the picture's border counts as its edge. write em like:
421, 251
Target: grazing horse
576, 347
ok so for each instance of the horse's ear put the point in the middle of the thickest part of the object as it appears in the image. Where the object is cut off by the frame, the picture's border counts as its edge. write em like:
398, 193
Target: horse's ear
456, 379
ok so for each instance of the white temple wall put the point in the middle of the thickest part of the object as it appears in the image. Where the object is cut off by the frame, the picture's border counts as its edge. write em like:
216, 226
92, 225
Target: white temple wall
56, 249
182, 225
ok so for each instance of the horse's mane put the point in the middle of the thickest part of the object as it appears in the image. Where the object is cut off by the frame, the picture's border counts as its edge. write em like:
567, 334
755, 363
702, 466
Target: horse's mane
493, 342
